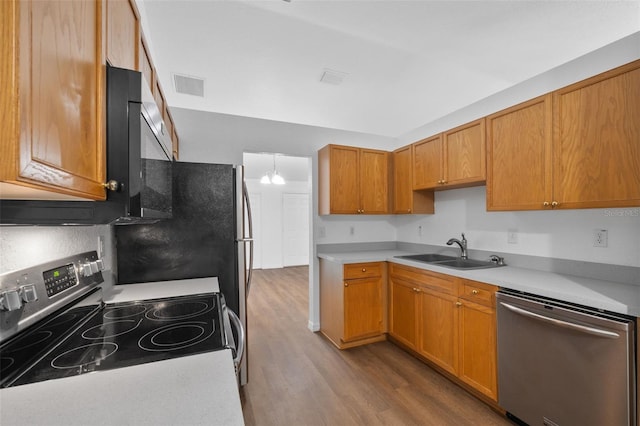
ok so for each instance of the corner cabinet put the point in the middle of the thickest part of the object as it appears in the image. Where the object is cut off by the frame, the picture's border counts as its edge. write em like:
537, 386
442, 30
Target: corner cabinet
352, 302
453, 159
577, 147
352, 180
53, 137
405, 199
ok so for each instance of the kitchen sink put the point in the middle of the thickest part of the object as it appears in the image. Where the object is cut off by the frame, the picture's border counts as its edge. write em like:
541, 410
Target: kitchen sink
450, 261
466, 264
428, 258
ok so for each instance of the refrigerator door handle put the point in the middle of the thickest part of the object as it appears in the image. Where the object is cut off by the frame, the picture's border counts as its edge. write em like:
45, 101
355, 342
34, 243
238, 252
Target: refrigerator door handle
248, 238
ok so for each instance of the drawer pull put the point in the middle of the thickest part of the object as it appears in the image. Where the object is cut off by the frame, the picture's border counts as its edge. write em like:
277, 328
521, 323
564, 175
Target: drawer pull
346, 284
458, 304
364, 270
474, 292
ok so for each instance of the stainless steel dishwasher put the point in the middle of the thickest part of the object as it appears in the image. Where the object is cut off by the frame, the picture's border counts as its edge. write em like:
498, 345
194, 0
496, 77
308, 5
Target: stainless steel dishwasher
564, 365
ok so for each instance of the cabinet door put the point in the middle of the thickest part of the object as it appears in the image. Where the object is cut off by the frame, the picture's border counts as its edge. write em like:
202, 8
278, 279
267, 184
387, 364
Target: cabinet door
344, 180
374, 181
464, 154
62, 141
362, 308
427, 163
123, 33
438, 324
477, 361
403, 312
519, 156
596, 144
402, 181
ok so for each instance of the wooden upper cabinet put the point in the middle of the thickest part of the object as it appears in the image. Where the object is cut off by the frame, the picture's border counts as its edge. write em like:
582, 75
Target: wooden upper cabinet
56, 141
596, 154
578, 147
374, 181
453, 159
405, 199
146, 67
464, 154
123, 34
519, 148
352, 180
427, 163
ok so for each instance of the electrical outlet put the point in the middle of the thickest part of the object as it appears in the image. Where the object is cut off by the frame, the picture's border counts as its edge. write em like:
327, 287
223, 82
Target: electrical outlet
600, 238
419, 230
512, 236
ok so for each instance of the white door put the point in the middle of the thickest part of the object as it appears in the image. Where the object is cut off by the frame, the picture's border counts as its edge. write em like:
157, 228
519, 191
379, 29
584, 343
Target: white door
256, 215
295, 237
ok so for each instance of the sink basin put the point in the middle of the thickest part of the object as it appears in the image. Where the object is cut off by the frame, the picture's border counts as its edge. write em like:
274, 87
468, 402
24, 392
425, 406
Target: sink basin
467, 264
449, 261
428, 258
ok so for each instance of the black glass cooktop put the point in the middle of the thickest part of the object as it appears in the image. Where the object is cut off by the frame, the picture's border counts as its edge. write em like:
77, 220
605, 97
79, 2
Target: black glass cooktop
114, 336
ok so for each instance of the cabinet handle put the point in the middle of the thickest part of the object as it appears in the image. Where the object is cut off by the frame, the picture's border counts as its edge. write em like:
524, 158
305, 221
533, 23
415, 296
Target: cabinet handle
545, 204
408, 210
554, 204
474, 292
458, 304
112, 185
364, 270
346, 284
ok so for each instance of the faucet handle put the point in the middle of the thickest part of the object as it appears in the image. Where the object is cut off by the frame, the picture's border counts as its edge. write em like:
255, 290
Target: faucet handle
497, 259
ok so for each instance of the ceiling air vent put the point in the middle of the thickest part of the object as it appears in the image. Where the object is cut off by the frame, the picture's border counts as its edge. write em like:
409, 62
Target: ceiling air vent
189, 85
333, 77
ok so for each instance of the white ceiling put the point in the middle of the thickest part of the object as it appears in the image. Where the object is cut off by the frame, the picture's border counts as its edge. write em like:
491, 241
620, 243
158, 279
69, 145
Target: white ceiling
407, 63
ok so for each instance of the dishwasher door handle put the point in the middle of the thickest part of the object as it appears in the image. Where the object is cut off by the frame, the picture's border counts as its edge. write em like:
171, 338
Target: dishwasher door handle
560, 323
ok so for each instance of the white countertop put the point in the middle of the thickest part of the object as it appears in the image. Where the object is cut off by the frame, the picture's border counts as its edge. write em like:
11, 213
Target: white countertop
192, 390
606, 295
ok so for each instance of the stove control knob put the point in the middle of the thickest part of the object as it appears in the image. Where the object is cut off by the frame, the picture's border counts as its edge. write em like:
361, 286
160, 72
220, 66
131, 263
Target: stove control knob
28, 293
10, 300
85, 269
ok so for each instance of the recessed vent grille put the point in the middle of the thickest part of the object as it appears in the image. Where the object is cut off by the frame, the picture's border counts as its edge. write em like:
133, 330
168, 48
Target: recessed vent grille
189, 85
333, 77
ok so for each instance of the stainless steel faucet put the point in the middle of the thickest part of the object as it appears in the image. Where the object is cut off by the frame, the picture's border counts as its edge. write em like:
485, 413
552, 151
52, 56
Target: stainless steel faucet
462, 243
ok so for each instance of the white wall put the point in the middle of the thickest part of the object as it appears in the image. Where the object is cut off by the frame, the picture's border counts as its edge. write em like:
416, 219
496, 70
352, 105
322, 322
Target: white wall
271, 242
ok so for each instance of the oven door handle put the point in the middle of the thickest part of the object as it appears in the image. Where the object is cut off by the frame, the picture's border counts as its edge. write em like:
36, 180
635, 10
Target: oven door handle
560, 323
239, 348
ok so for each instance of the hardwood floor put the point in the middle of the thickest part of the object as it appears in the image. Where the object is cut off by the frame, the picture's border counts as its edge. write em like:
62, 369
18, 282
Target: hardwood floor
297, 377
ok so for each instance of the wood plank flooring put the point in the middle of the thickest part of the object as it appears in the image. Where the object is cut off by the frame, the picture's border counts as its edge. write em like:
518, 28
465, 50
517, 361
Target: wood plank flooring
297, 377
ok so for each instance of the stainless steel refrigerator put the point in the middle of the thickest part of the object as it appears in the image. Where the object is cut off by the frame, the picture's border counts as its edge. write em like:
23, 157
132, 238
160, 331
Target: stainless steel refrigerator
209, 235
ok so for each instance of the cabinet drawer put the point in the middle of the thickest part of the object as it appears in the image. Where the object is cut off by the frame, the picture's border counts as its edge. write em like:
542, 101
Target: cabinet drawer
481, 293
439, 282
362, 270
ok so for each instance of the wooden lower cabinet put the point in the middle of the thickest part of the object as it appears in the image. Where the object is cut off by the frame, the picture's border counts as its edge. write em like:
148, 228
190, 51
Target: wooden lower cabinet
448, 321
352, 302
403, 325
438, 324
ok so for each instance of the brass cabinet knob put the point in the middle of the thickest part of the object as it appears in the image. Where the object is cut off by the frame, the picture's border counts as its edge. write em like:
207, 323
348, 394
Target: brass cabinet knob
458, 304
346, 284
474, 292
554, 204
112, 185
408, 210
364, 269
546, 204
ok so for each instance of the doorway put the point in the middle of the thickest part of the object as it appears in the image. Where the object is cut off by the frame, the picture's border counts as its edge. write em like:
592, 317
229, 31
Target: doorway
281, 222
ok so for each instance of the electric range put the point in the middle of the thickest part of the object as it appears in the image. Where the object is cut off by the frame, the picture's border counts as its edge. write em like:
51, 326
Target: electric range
55, 324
